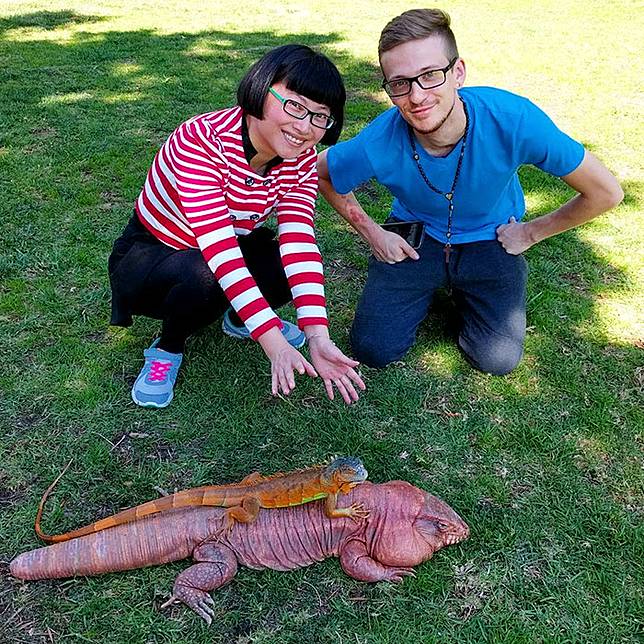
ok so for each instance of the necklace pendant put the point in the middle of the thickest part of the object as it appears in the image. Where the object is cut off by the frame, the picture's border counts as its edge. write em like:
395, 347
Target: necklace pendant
449, 196
447, 250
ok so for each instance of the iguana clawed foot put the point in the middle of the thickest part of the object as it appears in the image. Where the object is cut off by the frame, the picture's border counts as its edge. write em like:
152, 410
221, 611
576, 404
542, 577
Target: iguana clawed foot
358, 512
200, 602
396, 575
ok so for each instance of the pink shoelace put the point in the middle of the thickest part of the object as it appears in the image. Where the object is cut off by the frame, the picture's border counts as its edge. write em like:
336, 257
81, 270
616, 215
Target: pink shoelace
159, 371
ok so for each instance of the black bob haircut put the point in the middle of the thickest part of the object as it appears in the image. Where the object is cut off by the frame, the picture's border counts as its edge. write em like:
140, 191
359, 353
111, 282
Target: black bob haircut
305, 72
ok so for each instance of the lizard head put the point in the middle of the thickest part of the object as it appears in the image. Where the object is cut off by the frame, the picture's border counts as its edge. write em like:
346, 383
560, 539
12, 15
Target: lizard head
414, 525
345, 471
438, 525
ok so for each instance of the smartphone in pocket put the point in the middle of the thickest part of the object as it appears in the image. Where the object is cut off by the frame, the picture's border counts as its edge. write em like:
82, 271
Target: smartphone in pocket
410, 231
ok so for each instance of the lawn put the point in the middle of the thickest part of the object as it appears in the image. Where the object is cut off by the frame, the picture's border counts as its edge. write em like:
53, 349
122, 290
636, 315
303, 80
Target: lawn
545, 464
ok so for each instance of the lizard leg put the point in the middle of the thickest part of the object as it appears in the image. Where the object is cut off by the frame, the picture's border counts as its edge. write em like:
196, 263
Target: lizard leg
357, 563
216, 566
245, 512
356, 511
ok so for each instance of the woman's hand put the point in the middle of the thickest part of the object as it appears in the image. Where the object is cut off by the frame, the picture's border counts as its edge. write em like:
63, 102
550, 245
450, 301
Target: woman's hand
285, 359
335, 368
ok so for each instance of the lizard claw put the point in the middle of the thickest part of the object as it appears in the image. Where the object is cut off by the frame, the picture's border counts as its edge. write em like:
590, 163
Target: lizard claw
225, 531
203, 608
357, 512
198, 600
170, 601
396, 575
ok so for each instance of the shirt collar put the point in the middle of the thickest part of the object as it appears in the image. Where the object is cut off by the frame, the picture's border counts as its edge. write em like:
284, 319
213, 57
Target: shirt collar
250, 151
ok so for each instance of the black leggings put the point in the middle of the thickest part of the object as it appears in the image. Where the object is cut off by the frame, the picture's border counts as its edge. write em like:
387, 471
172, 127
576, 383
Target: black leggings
177, 286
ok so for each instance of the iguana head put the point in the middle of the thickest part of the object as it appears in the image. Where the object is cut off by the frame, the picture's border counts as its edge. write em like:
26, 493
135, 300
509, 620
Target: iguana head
410, 524
345, 471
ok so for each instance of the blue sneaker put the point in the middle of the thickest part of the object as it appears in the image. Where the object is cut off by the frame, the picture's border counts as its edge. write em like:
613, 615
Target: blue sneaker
154, 385
293, 335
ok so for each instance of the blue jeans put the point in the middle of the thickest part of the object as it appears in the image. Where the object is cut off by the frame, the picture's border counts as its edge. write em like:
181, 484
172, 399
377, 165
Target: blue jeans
488, 286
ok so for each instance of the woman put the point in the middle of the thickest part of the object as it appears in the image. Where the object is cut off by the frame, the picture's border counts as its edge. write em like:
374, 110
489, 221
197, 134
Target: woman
194, 246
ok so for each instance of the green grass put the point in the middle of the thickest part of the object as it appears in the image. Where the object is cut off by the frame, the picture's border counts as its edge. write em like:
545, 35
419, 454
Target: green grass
544, 464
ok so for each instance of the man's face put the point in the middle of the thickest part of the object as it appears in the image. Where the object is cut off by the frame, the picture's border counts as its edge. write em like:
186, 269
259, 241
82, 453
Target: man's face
424, 109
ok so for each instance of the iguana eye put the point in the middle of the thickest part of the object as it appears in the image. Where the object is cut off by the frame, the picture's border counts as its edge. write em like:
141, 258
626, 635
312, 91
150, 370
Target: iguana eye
443, 526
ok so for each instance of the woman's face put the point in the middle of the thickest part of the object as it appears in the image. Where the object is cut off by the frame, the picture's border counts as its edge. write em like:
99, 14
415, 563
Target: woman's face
280, 134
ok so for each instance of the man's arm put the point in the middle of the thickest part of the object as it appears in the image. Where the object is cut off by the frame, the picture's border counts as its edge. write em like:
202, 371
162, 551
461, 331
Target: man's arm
598, 191
386, 246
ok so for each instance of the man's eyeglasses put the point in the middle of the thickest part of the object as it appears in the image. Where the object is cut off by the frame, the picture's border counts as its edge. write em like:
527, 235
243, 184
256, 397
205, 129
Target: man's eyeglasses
427, 80
297, 110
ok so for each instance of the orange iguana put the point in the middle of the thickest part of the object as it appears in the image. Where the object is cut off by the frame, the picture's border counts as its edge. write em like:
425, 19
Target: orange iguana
243, 500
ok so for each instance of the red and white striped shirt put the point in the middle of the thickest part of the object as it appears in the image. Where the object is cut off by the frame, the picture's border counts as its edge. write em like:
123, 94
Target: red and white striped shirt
201, 193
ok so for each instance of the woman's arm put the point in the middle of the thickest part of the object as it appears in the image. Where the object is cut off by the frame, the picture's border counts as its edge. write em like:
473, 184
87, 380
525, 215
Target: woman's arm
303, 266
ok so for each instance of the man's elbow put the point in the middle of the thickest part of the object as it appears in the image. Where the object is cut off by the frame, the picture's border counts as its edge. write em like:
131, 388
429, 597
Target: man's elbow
612, 196
617, 196
607, 195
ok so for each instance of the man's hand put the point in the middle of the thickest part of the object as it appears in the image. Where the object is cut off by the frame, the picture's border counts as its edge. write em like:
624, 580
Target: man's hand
389, 247
598, 192
386, 246
335, 368
514, 237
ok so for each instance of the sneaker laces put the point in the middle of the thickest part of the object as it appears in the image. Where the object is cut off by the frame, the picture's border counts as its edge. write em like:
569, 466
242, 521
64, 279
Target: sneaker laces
159, 371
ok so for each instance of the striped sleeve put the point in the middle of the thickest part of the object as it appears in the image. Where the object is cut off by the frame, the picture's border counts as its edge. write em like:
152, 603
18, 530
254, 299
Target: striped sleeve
199, 166
301, 257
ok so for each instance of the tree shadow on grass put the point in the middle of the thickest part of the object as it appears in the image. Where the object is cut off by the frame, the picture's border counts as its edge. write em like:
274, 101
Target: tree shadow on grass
46, 20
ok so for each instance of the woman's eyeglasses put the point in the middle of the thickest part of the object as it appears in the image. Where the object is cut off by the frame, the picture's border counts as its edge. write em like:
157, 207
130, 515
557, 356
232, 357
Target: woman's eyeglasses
298, 111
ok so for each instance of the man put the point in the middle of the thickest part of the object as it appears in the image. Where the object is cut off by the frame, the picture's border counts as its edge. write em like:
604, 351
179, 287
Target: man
449, 155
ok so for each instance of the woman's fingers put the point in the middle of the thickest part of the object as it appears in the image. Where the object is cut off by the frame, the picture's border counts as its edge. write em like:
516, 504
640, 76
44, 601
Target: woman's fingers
344, 386
283, 370
355, 376
353, 394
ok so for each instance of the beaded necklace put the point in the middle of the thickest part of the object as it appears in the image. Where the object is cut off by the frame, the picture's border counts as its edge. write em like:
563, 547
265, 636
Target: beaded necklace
448, 195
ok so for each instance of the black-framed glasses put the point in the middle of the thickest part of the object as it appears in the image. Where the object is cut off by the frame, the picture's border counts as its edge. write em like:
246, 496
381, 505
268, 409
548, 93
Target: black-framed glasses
427, 80
297, 110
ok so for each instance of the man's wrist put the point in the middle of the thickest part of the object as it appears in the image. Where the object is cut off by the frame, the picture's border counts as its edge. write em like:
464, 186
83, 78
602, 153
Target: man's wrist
369, 230
534, 230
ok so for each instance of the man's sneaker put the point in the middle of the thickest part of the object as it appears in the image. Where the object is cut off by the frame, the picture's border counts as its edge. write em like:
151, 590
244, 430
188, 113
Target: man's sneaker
293, 335
154, 386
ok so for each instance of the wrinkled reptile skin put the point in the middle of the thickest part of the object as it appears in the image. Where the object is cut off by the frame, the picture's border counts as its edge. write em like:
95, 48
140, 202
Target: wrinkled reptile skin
404, 528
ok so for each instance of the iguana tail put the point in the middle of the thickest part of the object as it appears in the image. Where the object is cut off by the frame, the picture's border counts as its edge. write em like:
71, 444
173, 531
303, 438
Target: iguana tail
211, 495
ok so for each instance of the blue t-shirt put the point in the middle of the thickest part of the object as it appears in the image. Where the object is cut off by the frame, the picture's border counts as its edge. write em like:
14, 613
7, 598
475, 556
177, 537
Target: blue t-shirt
505, 131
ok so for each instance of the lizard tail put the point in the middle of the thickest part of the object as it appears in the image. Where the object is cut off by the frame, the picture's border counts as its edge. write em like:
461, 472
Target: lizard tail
49, 538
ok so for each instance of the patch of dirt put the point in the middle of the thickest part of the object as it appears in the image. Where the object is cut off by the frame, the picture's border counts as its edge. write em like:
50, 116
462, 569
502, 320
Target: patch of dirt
342, 270
110, 199
9, 497
44, 132
470, 590
18, 615
28, 420
577, 281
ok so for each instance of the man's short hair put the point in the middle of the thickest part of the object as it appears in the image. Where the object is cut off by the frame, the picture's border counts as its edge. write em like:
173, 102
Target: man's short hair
305, 72
416, 24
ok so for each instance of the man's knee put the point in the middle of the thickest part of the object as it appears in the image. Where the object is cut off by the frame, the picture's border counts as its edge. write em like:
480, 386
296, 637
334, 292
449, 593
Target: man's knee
374, 351
496, 355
